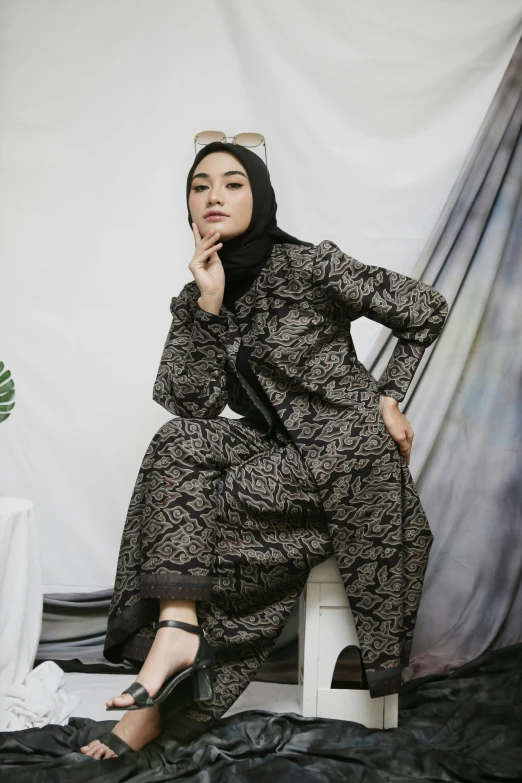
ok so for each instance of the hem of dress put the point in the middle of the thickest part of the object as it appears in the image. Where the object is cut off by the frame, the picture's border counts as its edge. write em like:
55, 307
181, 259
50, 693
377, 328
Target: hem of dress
176, 586
137, 649
126, 623
384, 682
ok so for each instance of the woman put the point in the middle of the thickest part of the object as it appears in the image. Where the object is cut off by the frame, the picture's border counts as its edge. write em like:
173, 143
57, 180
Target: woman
228, 516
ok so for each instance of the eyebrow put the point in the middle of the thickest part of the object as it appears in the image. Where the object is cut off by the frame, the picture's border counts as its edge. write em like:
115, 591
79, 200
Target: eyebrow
226, 174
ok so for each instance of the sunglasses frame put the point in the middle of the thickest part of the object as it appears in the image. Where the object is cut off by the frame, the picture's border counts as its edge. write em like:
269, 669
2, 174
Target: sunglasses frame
225, 137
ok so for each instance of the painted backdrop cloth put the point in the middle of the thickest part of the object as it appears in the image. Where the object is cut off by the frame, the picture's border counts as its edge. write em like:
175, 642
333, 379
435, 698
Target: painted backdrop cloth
294, 323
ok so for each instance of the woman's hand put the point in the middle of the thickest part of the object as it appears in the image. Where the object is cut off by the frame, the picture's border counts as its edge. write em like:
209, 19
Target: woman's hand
206, 265
397, 424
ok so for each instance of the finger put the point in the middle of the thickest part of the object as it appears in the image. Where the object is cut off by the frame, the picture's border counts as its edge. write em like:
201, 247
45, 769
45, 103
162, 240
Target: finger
214, 235
201, 241
210, 250
203, 244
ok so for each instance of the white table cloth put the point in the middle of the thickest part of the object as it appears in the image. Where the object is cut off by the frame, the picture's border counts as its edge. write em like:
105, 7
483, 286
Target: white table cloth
28, 697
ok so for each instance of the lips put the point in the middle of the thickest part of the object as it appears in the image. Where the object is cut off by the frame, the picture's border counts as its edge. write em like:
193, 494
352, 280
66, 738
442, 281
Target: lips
215, 214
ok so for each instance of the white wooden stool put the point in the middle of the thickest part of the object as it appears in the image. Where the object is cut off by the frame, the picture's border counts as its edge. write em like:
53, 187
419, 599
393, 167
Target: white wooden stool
326, 627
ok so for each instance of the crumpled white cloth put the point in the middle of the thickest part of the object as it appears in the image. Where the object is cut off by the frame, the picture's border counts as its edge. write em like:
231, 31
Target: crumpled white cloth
40, 699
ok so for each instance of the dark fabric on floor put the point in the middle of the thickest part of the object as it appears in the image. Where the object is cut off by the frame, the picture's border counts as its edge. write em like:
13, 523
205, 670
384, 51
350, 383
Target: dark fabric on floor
463, 727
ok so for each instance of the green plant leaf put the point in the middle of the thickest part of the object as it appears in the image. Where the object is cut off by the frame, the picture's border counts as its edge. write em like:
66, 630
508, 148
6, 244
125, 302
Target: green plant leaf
7, 393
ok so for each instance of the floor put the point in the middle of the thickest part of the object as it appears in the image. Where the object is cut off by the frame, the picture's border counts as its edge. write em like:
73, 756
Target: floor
95, 689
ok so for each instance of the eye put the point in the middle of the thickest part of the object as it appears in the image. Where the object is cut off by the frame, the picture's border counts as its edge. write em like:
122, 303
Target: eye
233, 185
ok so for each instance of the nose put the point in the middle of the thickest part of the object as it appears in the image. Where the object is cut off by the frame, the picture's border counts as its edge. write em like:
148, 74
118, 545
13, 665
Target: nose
214, 196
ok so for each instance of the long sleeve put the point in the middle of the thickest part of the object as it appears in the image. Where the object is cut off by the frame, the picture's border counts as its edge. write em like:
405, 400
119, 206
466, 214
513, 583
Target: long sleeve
413, 310
191, 380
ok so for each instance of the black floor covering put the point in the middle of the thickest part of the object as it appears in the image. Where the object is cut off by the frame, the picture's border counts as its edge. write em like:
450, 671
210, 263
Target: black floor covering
463, 727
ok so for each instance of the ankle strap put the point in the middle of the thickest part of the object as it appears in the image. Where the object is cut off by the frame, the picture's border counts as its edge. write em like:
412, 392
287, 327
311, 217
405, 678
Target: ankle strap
178, 624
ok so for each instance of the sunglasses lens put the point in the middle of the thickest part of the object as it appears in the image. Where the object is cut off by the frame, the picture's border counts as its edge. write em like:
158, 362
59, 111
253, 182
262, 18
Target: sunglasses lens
206, 137
248, 139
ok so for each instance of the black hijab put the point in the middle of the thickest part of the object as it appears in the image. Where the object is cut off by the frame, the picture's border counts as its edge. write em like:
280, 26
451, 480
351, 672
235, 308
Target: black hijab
243, 256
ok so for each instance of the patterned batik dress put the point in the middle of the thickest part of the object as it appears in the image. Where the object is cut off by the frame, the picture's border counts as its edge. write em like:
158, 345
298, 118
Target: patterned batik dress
233, 513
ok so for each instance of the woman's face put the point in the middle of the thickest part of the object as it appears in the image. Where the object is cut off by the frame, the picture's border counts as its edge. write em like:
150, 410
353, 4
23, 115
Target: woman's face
220, 182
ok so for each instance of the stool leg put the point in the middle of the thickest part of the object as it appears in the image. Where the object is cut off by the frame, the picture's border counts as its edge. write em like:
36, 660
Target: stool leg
391, 711
309, 648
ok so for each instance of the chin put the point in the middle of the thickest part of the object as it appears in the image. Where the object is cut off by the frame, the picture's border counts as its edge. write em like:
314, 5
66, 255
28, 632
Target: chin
224, 236
221, 226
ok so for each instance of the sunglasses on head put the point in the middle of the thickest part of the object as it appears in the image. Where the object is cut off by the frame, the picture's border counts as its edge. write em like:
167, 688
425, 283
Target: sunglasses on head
243, 139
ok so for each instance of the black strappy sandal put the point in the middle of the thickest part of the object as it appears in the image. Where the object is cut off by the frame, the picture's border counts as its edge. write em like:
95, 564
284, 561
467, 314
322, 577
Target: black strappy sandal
115, 743
201, 671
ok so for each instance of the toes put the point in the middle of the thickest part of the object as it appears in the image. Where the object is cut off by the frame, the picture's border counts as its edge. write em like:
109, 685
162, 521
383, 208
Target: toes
103, 752
87, 748
97, 750
125, 700
107, 753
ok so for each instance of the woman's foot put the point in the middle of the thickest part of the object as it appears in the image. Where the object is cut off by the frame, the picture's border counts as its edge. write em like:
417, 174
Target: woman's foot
137, 728
173, 649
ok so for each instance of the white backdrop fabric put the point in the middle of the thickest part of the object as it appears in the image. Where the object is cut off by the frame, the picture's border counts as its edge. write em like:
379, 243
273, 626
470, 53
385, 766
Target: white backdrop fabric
368, 109
28, 697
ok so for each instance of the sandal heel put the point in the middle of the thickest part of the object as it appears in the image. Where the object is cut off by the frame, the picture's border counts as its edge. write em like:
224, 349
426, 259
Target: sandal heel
203, 683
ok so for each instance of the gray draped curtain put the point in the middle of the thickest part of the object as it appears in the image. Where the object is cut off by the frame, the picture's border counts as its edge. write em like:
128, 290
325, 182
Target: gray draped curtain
465, 403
